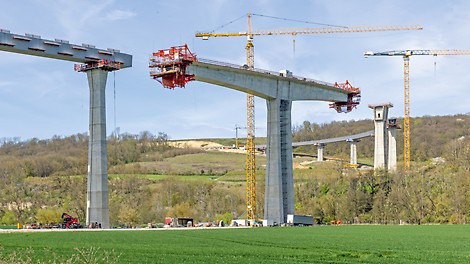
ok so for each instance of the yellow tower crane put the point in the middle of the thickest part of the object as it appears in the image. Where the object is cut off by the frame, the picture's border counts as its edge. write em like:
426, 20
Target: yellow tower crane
406, 54
250, 108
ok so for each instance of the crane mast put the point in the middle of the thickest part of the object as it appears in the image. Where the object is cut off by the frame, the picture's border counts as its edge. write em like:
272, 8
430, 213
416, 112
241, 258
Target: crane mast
406, 118
250, 129
237, 127
406, 54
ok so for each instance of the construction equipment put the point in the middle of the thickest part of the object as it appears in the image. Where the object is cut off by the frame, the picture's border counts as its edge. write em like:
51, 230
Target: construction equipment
170, 65
299, 220
69, 221
103, 64
237, 127
250, 146
406, 54
354, 98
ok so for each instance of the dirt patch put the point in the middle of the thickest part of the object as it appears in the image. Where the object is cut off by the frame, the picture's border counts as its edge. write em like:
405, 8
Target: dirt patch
303, 164
195, 144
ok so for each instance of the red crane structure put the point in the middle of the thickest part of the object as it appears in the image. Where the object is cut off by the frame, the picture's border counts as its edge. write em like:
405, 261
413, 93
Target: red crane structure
354, 98
170, 65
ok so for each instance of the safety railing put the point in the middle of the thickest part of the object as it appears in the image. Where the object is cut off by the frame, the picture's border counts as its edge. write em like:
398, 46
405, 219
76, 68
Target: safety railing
244, 67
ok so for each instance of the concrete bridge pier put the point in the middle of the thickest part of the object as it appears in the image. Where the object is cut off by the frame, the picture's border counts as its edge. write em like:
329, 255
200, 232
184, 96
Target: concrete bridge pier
279, 196
97, 193
381, 142
392, 144
353, 155
320, 147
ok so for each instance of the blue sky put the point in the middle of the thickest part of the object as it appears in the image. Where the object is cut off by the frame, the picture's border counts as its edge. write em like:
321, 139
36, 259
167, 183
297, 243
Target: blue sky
44, 97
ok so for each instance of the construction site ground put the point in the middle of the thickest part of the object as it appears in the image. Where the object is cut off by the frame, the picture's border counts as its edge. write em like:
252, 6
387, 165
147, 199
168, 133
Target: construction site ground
304, 162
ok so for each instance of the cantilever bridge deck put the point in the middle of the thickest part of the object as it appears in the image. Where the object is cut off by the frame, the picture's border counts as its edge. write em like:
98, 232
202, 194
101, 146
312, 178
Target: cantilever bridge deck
279, 89
264, 83
236, 66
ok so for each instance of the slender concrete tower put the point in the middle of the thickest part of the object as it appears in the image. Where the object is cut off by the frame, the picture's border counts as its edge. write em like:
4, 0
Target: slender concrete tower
279, 195
320, 147
392, 144
97, 195
353, 156
381, 142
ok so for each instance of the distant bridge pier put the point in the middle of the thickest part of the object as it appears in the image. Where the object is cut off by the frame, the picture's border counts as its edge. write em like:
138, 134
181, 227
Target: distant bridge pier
392, 126
381, 142
320, 147
353, 155
97, 191
279, 195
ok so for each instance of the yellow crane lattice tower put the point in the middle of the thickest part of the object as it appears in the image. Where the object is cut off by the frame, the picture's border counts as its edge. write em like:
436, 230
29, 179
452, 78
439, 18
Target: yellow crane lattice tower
406, 54
250, 134
250, 146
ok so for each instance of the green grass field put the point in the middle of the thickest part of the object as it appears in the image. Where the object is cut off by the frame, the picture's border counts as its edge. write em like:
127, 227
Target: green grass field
318, 244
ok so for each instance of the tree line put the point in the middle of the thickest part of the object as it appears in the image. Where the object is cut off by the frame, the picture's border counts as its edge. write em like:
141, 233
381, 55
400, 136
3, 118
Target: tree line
429, 135
40, 179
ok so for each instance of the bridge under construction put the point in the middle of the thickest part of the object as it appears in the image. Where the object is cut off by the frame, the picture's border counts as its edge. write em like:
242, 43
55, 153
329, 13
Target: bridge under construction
176, 66
96, 63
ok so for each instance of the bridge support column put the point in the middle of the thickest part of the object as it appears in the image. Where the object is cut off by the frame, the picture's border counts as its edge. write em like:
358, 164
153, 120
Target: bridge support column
381, 142
97, 193
320, 147
279, 196
392, 144
353, 156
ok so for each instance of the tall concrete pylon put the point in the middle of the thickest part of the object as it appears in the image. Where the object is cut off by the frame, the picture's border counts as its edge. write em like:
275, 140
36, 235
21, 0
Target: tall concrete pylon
381, 142
279, 149
392, 127
97, 191
353, 154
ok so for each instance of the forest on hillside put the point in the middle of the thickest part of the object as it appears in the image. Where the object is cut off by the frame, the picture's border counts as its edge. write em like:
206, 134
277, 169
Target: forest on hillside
40, 179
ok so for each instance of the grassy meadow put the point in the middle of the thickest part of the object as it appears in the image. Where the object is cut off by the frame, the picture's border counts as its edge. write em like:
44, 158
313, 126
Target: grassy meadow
318, 244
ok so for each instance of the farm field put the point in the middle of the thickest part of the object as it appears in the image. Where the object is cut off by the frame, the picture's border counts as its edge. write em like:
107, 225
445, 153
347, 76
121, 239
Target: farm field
318, 244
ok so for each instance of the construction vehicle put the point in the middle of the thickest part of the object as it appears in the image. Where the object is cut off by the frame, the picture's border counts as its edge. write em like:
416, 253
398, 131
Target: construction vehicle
250, 109
299, 220
406, 54
69, 221
179, 221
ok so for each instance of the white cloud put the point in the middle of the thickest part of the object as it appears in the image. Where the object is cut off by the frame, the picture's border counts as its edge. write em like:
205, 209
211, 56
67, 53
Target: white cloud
76, 16
119, 15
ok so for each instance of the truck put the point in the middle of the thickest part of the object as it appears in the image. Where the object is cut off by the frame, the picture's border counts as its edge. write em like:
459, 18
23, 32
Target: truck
299, 220
179, 221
